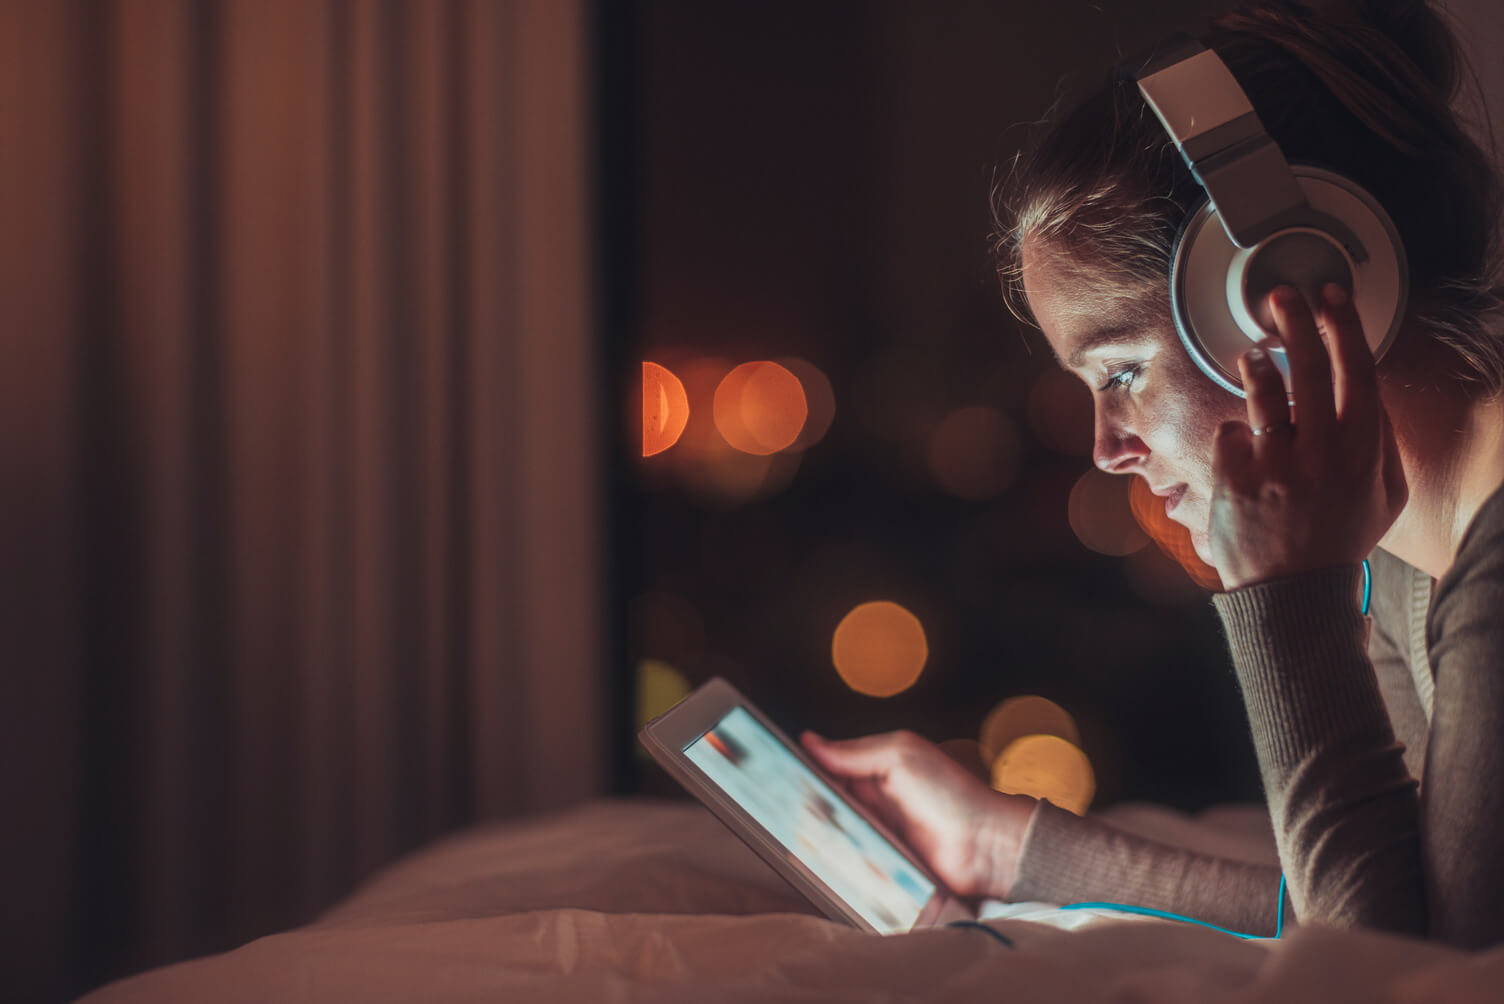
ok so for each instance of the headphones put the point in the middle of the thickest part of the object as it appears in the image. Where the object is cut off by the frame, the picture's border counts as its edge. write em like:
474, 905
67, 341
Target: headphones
1265, 223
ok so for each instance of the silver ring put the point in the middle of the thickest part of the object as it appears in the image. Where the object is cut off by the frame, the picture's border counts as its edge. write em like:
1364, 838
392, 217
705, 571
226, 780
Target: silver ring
1272, 427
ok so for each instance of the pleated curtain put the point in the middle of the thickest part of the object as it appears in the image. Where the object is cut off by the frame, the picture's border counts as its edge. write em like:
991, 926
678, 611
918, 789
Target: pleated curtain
301, 519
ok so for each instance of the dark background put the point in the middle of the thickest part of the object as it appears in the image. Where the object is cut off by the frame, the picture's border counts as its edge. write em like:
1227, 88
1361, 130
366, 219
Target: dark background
813, 181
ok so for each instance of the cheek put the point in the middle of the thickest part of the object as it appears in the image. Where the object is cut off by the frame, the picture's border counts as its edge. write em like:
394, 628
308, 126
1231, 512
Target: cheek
1184, 423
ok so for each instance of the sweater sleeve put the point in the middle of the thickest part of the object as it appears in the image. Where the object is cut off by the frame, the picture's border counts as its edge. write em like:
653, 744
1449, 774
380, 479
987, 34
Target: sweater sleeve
1462, 799
1071, 859
1345, 810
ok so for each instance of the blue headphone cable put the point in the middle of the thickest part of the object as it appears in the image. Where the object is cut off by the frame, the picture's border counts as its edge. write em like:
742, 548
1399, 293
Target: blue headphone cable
1279, 921
1367, 586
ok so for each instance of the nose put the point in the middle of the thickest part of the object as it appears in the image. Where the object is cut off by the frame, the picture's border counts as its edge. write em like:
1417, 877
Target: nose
1115, 448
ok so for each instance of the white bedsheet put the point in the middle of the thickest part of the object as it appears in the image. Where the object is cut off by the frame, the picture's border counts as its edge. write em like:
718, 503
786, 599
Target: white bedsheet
646, 901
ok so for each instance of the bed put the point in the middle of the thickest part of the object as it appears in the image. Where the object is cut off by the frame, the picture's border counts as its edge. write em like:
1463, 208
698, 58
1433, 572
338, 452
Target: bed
626, 900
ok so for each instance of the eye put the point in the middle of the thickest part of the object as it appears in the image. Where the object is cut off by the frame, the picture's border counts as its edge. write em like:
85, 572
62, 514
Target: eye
1122, 378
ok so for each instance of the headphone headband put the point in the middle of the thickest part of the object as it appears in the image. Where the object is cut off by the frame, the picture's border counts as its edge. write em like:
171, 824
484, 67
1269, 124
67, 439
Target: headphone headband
1213, 124
1265, 223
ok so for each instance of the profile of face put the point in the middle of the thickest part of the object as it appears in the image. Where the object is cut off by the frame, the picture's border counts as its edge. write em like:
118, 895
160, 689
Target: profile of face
1155, 412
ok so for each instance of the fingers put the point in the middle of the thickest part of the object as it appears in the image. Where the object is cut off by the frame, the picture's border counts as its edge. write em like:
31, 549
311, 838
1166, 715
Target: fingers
869, 756
1232, 454
869, 793
1310, 367
1268, 405
1355, 388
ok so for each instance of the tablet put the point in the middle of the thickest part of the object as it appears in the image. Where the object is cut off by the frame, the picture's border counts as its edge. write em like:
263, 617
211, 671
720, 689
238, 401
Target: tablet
771, 795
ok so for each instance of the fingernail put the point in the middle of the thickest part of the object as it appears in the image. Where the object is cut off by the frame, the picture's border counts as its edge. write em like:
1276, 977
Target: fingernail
1256, 357
1333, 294
1286, 296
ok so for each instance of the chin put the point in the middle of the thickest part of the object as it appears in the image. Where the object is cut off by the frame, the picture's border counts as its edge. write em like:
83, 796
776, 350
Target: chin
1195, 519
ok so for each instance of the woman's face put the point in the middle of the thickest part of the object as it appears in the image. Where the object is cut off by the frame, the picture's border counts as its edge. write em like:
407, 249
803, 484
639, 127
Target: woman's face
1156, 413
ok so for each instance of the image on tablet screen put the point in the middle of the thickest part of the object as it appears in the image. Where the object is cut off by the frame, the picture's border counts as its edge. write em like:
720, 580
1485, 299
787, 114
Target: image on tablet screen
811, 821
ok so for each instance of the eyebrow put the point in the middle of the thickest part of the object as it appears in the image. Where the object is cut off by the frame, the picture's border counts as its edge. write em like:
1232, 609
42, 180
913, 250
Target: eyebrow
1097, 338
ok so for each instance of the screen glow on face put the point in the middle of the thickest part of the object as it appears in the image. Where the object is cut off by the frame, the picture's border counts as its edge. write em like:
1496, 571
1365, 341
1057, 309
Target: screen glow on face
811, 821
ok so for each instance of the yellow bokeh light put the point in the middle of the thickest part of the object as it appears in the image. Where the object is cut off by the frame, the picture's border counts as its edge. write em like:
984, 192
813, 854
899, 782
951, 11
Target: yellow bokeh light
760, 408
1046, 767
1025, 715
973, 453
659, 687
1101, 515
879, 649
665, 408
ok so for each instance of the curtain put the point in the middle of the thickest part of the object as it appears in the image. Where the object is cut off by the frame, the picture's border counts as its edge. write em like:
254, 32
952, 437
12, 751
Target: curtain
301, 528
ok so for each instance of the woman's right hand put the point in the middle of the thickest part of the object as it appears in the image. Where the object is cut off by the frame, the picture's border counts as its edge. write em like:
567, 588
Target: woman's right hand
968, 834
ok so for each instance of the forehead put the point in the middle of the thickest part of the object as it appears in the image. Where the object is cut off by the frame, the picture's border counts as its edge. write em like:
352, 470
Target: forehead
1079, 307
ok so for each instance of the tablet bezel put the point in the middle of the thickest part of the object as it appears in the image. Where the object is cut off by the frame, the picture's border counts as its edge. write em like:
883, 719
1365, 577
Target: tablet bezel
665, 738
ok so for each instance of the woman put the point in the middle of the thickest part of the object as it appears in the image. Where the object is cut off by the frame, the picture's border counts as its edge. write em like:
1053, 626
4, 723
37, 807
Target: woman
1381, 742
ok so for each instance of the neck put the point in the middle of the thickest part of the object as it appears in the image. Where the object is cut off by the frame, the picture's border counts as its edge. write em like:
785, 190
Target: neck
1453, 452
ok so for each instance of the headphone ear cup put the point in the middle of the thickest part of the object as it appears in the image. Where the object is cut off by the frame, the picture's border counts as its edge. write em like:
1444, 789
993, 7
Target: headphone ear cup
1216, 286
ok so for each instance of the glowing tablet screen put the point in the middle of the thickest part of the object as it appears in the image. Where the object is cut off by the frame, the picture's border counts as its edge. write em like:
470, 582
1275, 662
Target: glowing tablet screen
802, 813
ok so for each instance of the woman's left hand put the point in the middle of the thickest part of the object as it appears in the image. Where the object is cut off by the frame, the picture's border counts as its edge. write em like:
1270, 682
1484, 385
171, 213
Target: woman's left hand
1296, 493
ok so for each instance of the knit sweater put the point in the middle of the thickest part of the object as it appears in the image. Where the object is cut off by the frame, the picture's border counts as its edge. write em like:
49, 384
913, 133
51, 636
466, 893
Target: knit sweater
1381, 745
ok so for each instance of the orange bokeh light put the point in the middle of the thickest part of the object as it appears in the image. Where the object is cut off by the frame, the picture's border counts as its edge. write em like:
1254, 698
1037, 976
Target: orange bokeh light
818, 396
665, 408
1171, 537
879, 649
760, 408
1101, 516
704, 462
1025, 715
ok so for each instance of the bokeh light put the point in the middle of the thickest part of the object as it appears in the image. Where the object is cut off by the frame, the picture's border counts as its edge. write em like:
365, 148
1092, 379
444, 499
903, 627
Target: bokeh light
1046, 767
1169, 536
1101, 516
665, 408
879, 649
1060, 412
705, 463
1024, 715
818, 396
974, 452
760, 408
659, 687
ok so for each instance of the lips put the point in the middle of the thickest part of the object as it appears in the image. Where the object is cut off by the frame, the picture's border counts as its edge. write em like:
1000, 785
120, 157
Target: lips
1172, 494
